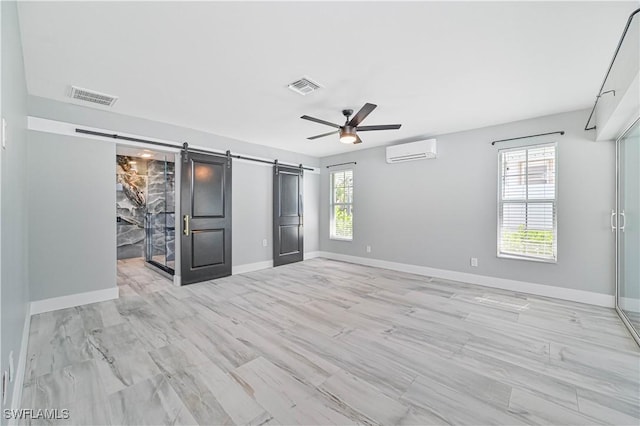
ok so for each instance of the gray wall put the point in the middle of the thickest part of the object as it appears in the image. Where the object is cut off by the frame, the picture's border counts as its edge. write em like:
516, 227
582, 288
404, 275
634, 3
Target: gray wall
14, 293
311, 212
252, 182
71, 211
251, 213
440, 213
47, 108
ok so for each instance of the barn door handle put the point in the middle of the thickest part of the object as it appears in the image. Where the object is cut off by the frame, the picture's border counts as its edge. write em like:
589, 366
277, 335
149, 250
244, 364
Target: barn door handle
185, 221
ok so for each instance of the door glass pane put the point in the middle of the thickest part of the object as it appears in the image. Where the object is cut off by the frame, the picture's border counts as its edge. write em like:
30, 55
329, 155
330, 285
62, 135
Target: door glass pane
629, 226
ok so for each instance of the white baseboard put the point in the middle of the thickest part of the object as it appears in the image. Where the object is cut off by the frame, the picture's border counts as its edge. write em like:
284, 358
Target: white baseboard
63, 302
311, 255
22, 365
573, 295
250, 267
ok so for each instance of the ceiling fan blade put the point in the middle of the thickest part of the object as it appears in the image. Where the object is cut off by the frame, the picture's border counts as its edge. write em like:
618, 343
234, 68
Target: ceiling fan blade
362, 114
358, 140
379, 127
324, 134
317, 120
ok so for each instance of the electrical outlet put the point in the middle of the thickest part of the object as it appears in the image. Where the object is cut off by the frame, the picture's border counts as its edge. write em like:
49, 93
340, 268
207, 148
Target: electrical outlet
368, 249
264, 242
474, 262
12, 371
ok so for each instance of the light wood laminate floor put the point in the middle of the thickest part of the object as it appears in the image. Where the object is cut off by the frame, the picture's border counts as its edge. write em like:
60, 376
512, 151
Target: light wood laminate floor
326, 342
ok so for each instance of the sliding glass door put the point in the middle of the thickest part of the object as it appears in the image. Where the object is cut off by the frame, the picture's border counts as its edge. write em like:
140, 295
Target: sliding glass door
627, 226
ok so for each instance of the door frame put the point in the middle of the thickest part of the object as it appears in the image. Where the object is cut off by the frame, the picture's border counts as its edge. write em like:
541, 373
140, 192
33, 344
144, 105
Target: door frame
177, 280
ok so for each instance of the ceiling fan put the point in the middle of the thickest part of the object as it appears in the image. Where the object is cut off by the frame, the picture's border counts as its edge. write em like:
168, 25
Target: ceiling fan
348, 132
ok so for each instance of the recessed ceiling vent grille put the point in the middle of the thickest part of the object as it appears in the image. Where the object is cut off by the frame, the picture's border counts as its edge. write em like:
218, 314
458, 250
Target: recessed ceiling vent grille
92, 96
304, 86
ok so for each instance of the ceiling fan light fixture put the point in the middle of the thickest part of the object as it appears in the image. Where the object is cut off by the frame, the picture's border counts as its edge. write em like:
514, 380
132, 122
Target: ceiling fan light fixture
347, 139
348, 135
349, 131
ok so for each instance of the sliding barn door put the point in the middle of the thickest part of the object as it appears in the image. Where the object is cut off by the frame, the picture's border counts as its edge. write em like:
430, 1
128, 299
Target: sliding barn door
206, 217
288, 231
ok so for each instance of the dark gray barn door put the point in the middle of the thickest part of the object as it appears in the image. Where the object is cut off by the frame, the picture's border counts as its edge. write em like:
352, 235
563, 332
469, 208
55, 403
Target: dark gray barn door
206, 218
288, 217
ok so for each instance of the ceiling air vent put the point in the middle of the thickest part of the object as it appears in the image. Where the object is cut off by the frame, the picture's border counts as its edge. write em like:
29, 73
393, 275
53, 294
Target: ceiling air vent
304, 86
92, 96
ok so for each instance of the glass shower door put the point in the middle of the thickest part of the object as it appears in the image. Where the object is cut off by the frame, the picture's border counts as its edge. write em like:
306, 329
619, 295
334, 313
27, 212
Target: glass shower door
160, 217
628, 229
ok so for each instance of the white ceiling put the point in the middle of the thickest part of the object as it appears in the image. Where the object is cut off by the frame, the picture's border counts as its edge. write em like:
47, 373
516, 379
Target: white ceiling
435, 67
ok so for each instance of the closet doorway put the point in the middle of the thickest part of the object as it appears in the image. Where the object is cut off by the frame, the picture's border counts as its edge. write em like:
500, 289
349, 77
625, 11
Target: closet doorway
145, 211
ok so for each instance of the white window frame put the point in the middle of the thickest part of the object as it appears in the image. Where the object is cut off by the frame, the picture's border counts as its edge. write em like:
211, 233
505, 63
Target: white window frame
332, 204
527, 201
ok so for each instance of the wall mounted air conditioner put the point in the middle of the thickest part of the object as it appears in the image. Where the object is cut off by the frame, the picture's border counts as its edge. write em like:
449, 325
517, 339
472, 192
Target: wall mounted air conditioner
421, 150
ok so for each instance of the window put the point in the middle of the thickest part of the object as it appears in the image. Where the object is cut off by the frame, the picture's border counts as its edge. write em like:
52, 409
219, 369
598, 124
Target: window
342, 205
527, 203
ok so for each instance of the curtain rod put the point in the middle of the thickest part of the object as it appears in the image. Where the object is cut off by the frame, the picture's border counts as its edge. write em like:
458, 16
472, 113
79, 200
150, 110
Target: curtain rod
615, 55
185, 145
341, 164
561, 132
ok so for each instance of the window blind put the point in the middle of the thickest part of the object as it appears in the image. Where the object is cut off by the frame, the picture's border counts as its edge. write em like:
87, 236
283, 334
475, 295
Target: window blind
527, 203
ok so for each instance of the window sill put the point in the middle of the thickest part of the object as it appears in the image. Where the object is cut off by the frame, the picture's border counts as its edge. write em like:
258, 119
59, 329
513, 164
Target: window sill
530, 259
341, 239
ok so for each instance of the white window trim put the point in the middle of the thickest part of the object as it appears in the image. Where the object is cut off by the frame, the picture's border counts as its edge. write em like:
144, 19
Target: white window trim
332, 204
555, 203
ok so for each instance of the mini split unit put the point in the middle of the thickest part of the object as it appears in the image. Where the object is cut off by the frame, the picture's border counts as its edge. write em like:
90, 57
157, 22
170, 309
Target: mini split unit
421, 150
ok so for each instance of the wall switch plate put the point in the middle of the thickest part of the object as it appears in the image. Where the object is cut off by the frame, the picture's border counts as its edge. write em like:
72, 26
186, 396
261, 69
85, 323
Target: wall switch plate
368, 249
474, 262
264, 242
4, 133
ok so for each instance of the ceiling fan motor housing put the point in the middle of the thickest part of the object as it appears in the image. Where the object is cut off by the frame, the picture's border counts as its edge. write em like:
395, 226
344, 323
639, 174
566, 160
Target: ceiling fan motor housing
347, 130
